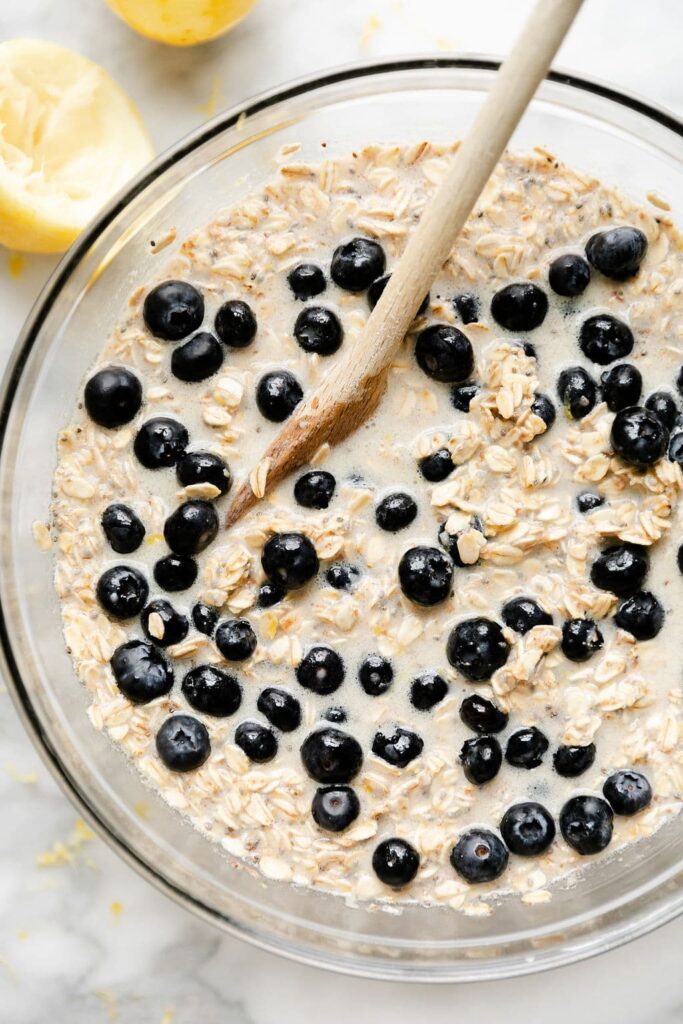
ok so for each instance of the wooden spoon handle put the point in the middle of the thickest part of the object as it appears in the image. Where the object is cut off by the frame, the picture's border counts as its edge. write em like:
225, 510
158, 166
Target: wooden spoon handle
351, 389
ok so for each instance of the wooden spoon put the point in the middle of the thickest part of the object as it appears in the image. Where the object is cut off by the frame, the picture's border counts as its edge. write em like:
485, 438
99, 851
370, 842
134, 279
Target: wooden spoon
353, 386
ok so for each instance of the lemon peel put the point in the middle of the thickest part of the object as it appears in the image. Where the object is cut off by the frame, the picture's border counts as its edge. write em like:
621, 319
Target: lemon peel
181, 22
69, 139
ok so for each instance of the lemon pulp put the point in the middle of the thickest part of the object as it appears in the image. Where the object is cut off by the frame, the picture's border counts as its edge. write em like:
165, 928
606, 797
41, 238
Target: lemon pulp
69, 139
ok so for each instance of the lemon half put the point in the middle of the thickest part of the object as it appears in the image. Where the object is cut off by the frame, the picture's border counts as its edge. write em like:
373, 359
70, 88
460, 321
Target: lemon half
181, 22
69, 139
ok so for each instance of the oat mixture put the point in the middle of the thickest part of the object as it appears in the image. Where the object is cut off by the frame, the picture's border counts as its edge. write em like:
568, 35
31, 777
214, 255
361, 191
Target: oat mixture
518, 505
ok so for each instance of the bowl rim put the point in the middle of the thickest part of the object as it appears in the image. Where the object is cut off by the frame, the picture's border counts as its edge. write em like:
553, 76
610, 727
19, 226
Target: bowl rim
608, 939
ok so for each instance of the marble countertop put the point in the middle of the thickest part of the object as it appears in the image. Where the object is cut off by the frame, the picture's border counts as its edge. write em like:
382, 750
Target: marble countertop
82, 938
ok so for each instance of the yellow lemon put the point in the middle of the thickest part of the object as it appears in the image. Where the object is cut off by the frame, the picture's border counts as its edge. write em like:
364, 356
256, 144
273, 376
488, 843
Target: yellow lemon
69, 139
181, 22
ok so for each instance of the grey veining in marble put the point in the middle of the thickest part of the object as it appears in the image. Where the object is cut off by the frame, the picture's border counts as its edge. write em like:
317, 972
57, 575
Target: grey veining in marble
86, 940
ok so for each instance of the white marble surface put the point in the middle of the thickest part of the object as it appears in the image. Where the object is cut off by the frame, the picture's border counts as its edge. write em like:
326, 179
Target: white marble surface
89, 941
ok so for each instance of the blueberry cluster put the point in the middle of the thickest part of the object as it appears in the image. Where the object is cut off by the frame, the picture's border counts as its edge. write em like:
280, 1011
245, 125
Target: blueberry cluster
527, 829
641, 434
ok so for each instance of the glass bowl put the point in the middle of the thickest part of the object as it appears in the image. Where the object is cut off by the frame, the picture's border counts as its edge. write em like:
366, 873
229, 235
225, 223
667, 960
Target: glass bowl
591, 126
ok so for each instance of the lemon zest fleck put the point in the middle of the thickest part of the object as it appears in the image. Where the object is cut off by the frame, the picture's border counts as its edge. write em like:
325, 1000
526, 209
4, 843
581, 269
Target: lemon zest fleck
107, 997
63, 851
370, 29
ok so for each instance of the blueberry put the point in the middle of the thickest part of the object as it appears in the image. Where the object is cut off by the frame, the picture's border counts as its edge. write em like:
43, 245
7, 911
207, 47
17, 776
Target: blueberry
526, 747
544, 409
641, 615
398, 747
122, 591
183, 743
395, 512
479, 856
173, 626
639, 437
395, 862
235, 639
257, 741
205, 617
277, 395
675, 451
444, 353
437, 466
212, 691
425, 575
342, 576
375, 674
523, 613
604, 338
617, 252
334, 808
173, 310
621, 386
356, 264
462, 395
627, 791
577, 391
203, 468
191, 528
306, 280
175, 573
519, 307
569, 275
377, 287
571, 761
314, 489
586, 824
481, 715
113, 396
481, 758
663, 405
330, 755
466, 306
581, 638
588, 501
528, 829
335, 714
122, 528
160, 442
235, 324
427, 690
477, 647
198, 359
280, 708
289, 559
620, 568
318, 330
321, 670
141, 671
270, 594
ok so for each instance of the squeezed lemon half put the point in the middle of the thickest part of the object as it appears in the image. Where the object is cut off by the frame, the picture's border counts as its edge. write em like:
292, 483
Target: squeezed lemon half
69, 139
181, 22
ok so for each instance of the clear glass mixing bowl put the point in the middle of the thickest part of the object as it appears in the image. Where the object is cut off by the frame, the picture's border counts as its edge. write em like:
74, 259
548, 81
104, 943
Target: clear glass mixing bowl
622, 140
